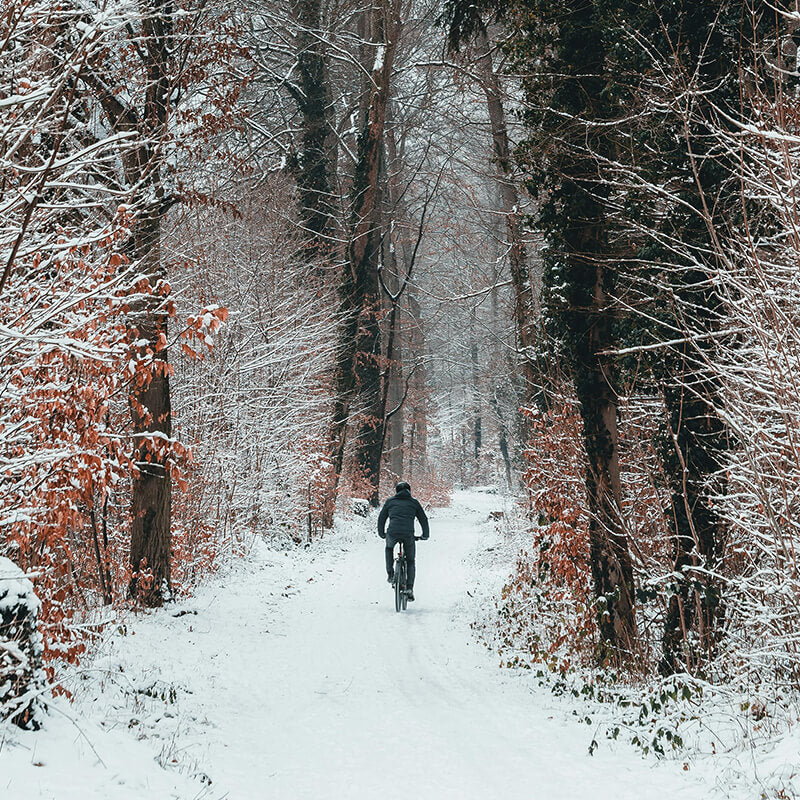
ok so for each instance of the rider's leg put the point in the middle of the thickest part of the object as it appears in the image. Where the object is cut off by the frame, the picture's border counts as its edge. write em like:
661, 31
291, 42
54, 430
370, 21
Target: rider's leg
389, 556
410, 549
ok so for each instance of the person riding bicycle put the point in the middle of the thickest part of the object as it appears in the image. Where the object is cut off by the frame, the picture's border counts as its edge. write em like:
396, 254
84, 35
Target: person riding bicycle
402, 510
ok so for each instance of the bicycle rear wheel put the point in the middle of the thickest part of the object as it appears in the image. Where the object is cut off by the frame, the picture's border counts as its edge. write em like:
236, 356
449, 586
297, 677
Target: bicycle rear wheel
399, 583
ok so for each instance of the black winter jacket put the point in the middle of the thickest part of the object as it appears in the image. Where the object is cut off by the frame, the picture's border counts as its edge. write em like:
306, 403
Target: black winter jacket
402, 510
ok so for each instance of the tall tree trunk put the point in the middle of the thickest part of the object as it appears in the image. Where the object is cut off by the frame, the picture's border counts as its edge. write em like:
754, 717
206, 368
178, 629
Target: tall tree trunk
524, 300
151, 497
364, 240
581, 258
393, 371
612, 570
395, 430
477, 442
150, 404
395, 212
370, 380
151, 494
314, 170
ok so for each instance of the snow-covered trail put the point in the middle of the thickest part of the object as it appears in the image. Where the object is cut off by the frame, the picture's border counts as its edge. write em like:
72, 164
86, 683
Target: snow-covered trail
347, 698
355, 700
318, 689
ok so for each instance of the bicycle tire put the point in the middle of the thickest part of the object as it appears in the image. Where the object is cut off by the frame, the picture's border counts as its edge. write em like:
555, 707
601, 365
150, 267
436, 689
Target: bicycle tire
404, 592
399, 583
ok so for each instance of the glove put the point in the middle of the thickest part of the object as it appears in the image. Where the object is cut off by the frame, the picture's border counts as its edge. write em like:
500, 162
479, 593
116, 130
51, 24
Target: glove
382, 535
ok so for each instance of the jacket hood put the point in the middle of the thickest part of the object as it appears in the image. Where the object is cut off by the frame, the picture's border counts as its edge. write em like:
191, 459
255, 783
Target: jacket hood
404, 493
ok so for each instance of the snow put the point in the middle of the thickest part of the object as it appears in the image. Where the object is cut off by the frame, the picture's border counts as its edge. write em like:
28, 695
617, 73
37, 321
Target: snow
291, 676
15, 588
380, 58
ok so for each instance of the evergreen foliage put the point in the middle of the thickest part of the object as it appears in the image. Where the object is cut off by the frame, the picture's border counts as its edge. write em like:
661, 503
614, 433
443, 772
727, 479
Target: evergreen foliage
623, 105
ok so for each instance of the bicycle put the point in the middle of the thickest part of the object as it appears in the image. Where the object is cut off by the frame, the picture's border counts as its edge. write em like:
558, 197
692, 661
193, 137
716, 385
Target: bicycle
401, 590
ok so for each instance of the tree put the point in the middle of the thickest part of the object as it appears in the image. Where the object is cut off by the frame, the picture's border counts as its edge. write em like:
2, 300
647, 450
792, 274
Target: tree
146, 120
510, 207
358, 290
568, 119
315, 164
681, 200
153, 93
68, 284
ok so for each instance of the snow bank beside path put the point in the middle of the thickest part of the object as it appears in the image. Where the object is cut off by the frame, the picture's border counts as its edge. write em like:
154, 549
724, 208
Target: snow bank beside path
137, 726
739, 757
291, 677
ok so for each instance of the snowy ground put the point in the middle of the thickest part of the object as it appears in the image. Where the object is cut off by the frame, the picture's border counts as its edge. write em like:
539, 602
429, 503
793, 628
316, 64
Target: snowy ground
292, 677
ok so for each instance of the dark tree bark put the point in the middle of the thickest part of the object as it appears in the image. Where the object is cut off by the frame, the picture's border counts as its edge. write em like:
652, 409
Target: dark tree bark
395, 426
151, 416
395, 210
369, 369
569, 142
314, 168
390, 384
393, 390
612, 570
151, 497
150, 404
364, 241
379, 377
394, 286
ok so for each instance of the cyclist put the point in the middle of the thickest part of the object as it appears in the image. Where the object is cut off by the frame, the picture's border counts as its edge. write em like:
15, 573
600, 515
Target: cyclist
402, 510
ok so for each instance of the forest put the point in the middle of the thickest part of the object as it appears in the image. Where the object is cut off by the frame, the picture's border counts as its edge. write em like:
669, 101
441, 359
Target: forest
260, 261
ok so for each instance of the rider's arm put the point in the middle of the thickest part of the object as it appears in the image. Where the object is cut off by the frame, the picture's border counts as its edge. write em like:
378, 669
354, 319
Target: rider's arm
423, 521
382, 521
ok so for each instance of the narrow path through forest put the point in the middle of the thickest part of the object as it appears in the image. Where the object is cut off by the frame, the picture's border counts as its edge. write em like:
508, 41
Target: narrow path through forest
297, 680
347, 698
